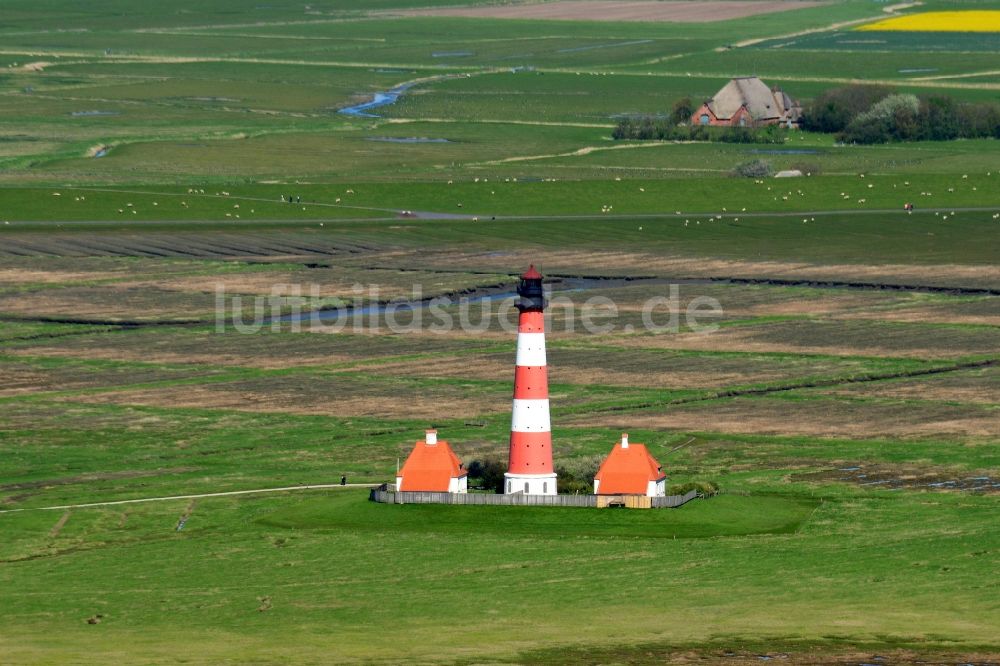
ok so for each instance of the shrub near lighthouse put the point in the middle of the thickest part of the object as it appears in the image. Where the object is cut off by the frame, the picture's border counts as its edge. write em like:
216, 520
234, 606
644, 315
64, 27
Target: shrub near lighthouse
529, 470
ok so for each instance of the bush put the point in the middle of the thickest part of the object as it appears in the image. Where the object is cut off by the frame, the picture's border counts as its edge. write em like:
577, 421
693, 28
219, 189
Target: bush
570, 486
659, 129
488, 473
577, 475
698, 133
705, 488
737, 135
683, 109
753, 169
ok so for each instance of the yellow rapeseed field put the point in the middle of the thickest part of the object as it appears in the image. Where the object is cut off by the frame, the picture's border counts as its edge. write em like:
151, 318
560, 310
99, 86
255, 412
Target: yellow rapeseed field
962, 21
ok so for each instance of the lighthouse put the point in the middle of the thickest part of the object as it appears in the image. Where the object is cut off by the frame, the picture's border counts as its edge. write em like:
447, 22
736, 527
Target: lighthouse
530, 468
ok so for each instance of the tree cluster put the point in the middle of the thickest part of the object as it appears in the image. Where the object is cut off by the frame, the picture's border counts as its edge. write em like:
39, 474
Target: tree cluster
875, 114
487, 474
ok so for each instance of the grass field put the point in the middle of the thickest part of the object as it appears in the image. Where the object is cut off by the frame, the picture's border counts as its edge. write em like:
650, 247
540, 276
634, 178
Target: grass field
874, 380
846, 400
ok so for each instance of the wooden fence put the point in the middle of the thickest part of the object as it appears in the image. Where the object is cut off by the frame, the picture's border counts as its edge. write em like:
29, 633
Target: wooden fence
384, 495
673, 501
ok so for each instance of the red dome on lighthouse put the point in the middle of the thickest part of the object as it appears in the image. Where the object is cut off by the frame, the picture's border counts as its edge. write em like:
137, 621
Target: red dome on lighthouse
531, 274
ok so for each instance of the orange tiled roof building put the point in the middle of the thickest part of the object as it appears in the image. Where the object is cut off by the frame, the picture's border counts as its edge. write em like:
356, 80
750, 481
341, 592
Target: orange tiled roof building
630, 470
432, 467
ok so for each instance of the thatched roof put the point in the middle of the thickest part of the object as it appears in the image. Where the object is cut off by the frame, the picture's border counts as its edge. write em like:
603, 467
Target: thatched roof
761, 101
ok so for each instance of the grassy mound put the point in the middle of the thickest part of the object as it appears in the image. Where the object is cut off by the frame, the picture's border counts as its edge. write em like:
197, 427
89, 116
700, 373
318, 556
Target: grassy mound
721, 516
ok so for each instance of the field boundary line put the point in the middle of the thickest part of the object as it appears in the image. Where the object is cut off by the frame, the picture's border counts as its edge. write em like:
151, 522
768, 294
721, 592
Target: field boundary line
168, 498
795, 386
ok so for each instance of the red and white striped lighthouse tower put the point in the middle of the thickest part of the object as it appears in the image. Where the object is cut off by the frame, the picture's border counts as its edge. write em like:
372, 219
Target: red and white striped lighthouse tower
530, 468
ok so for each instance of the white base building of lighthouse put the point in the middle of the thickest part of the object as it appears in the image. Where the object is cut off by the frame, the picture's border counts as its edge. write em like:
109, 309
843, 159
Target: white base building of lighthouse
530, 484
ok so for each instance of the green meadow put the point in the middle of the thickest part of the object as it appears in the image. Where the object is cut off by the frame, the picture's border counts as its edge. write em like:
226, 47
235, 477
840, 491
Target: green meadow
167, 398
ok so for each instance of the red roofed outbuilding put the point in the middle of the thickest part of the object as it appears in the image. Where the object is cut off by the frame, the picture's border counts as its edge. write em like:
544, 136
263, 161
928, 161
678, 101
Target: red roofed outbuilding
432, 467
630, 470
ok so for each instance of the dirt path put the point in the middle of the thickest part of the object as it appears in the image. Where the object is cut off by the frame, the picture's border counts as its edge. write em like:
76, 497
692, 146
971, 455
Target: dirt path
967, 75
173, 60
170, 498
891, 9
57, 528
580, 152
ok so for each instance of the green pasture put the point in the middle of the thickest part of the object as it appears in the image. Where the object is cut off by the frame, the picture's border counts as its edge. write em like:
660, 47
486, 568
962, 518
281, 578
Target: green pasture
568, 97
119, 15
922, 238
403, 152
498, 193
290, 568
505, 43
418, 40
173, 203
810, 153
876, 41
254, 94
833, 193
338, 88
793, 60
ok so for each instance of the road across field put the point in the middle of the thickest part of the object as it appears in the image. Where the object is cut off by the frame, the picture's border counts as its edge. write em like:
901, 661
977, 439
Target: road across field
168, 498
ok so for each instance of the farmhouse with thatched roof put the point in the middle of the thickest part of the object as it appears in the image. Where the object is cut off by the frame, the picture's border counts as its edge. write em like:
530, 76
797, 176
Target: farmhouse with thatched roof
748, 102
